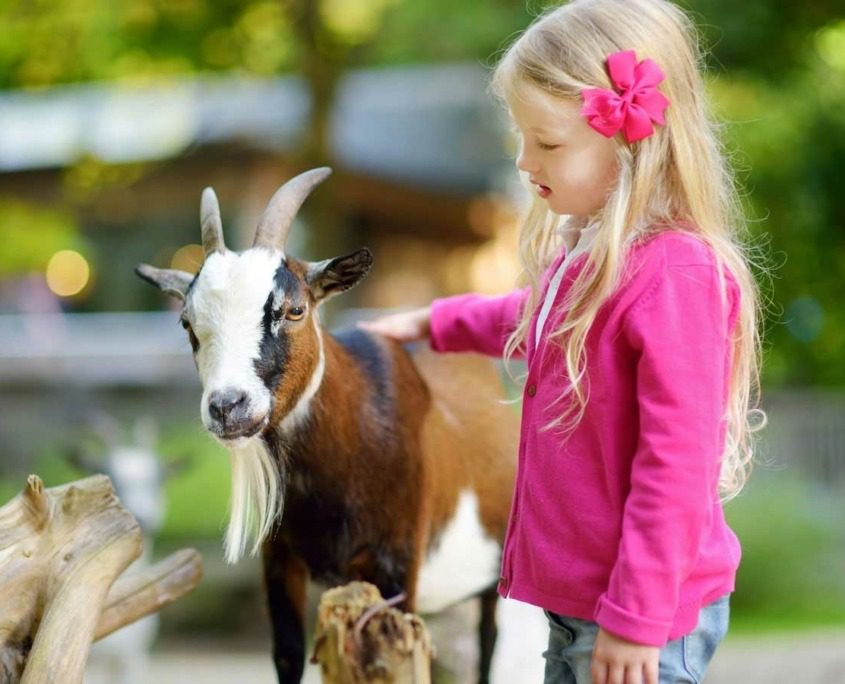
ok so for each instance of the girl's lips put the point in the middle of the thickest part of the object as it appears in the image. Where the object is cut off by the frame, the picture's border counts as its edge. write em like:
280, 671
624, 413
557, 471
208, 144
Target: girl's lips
543, 191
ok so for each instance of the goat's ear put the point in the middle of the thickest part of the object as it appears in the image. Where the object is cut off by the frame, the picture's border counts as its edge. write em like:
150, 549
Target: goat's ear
333, 276
169, 281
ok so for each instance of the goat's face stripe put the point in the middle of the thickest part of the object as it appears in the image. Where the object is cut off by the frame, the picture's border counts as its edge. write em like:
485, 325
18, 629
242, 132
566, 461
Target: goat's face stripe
226, 310
274, 348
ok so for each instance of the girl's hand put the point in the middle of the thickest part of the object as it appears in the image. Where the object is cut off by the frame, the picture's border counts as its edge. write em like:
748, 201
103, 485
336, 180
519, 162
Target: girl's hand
408, 326
618, 661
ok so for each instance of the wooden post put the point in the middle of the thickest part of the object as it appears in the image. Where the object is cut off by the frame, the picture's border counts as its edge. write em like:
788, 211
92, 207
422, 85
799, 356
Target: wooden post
61, 550
361, 639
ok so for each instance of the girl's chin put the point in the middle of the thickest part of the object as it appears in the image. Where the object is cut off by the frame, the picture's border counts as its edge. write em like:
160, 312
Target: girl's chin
554, 208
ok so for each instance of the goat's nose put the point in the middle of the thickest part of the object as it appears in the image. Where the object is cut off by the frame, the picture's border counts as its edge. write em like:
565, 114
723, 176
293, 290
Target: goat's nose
222, 404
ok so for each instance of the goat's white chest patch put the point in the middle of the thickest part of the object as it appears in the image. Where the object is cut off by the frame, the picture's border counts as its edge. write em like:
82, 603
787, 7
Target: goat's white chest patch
465, 561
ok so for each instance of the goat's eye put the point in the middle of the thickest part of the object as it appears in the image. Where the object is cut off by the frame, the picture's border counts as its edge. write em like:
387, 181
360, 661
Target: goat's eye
186, 324
295, 313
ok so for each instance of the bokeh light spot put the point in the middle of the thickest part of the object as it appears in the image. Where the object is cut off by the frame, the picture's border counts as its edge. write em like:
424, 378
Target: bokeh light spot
67, 273
188, 258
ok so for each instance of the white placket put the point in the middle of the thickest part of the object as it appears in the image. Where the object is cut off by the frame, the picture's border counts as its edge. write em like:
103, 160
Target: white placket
583, 243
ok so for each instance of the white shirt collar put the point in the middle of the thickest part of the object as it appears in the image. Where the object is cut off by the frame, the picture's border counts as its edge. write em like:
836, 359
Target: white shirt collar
580, 239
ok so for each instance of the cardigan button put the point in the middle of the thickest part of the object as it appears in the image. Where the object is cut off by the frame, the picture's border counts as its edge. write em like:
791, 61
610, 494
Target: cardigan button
532, 390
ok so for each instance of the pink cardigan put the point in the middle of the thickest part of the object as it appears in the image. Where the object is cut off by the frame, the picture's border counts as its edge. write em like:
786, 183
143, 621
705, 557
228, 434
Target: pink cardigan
621, 523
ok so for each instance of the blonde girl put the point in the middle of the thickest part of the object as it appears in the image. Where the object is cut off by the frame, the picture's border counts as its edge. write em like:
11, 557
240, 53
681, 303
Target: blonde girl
638, 325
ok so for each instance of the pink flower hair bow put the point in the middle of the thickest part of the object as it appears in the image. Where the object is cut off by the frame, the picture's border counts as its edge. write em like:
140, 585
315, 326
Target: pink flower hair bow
636, 104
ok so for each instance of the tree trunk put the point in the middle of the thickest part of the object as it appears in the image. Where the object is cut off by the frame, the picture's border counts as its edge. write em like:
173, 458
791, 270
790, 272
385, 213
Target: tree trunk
362, 640
61, 550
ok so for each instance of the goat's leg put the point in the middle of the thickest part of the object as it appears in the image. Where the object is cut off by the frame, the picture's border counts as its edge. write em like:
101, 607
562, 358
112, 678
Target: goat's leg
487, 633
286, 582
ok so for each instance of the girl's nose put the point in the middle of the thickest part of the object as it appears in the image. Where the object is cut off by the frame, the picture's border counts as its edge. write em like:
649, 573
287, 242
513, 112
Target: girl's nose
525, 163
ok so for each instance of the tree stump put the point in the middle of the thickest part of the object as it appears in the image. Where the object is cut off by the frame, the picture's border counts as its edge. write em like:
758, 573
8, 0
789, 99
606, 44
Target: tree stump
361, 639
61, 550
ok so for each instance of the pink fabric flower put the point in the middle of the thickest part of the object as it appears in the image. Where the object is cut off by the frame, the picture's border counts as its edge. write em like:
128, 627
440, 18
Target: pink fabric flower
634, 105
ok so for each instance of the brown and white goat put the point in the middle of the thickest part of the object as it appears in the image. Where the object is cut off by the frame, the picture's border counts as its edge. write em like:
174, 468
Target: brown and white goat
352, 458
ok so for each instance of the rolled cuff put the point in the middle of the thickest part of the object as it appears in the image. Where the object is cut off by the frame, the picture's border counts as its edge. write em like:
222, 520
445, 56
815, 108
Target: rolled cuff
636, 628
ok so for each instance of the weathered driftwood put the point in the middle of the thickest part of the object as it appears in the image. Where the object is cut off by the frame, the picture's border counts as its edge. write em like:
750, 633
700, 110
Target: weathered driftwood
61, 550
361, 639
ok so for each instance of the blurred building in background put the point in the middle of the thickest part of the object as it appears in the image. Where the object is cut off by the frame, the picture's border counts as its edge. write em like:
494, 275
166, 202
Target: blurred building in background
421, 175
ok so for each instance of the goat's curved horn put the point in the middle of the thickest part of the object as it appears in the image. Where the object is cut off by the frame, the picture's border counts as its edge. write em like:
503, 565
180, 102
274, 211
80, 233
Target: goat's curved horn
212, 226
274, 224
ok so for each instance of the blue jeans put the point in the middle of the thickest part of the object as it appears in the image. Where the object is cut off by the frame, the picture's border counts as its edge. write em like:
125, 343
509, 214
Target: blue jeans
682, 661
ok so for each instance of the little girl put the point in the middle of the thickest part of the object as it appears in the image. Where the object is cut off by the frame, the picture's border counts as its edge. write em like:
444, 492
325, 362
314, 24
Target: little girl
638, 326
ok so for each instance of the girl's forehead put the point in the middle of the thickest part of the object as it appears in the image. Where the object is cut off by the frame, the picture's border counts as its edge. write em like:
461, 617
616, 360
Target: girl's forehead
531, 108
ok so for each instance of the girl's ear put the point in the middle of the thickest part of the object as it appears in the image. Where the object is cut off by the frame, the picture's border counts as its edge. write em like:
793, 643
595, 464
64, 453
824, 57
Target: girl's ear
333, 276
169, 281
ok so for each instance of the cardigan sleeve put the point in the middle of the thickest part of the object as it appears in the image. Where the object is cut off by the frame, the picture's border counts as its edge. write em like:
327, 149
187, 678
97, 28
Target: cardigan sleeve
473, 322
679, 332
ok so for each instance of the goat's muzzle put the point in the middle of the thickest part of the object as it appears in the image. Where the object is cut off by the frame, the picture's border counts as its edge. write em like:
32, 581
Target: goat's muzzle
232, 416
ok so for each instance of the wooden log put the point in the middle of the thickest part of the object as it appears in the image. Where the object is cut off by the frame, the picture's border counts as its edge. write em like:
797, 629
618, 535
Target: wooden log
61, 550
137, 594
361, 639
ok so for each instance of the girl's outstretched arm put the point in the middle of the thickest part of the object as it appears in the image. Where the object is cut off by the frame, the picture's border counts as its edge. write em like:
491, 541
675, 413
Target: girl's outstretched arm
474, 322
469, 322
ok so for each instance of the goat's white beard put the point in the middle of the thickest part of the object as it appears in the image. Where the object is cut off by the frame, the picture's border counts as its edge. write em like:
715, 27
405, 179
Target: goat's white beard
256, 501
257, 496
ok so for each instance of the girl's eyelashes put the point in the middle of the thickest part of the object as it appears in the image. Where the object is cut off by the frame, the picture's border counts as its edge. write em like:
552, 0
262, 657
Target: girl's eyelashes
546, 146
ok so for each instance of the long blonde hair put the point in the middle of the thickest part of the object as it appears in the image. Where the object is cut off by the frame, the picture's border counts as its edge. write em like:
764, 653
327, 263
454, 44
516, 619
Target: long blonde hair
679, 174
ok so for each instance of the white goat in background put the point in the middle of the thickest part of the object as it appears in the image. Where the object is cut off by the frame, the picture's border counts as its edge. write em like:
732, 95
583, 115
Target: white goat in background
138, 476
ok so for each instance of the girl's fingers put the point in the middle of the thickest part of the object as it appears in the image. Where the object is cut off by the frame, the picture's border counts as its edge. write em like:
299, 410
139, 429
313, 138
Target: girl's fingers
651, 671
634, 674
383, 326
598, 669
408, 326
616, 674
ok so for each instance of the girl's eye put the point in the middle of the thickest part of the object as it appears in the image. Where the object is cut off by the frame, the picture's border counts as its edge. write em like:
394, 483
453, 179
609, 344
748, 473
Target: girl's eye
546, 146
295, 313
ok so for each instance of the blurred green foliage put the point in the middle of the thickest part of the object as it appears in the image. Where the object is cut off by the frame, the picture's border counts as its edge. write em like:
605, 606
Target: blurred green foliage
196, 498
777, 74
793, 556
31, 235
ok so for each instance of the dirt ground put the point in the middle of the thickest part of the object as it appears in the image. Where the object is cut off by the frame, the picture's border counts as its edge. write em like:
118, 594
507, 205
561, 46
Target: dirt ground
808, 658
